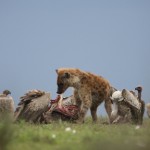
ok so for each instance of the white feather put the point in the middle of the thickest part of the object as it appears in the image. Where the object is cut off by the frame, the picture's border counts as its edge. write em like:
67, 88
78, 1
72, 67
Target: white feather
114, 109
117, 96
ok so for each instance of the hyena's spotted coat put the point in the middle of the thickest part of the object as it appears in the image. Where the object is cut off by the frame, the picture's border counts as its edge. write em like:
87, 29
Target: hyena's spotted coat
89, 90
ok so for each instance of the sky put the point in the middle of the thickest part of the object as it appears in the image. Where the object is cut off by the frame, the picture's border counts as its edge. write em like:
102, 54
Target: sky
105, 37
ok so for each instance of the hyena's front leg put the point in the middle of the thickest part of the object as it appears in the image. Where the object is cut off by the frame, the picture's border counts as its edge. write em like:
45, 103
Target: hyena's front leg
85, 105
77, 99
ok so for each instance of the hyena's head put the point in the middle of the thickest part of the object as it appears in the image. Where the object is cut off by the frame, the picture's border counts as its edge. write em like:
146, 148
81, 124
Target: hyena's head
66, 78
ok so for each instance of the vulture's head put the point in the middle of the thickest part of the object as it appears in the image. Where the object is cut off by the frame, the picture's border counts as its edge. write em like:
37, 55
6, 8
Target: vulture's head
6, 92
139, 88
117, 96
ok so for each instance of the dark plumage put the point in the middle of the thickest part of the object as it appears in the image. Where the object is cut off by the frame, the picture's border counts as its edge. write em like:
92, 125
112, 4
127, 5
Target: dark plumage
141, 114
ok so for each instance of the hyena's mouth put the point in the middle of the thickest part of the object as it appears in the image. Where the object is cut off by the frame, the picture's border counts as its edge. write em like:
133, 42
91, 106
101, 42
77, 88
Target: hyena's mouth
59, 92
60, 89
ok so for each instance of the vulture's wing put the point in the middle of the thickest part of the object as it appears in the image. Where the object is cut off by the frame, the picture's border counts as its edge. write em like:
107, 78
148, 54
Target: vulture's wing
30, 95
32, 105
131, 99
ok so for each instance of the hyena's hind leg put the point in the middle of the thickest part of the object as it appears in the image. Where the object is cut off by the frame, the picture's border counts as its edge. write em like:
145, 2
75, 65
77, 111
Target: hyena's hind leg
93, 111
109, 104
108, 108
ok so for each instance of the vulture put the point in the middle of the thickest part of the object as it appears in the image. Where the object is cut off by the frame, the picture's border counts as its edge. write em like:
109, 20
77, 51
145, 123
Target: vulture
139, 89
7, 106
32, 106
148, 109
126, 107
120, 110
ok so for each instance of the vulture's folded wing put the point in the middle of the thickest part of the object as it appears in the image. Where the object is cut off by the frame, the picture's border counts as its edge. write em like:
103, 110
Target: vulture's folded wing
30, 95
131, 99
33, 104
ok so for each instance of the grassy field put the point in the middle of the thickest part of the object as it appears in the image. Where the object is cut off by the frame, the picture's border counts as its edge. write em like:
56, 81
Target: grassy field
67, 136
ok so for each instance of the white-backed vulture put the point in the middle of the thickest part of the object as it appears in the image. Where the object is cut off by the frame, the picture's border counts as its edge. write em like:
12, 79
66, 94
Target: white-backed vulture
126, 107
7, 106
120, 110
139, 89
148, 109
32, 106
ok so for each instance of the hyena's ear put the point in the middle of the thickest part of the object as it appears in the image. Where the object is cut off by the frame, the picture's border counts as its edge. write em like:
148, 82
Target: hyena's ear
56, 71
66, 75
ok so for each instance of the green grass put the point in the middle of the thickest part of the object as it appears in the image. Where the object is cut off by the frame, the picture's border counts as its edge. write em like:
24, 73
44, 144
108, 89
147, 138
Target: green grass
88, 136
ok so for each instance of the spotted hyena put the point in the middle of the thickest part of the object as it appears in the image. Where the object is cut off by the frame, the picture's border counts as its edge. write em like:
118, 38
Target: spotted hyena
90, 90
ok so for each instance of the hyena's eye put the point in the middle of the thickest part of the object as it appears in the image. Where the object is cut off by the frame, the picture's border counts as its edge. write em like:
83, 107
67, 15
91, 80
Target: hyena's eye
66, 76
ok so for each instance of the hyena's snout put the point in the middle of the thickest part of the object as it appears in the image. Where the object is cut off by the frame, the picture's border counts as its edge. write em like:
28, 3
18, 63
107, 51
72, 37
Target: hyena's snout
60, 88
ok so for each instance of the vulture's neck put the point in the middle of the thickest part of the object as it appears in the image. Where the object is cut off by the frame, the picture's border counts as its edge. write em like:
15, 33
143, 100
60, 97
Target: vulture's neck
139, 94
